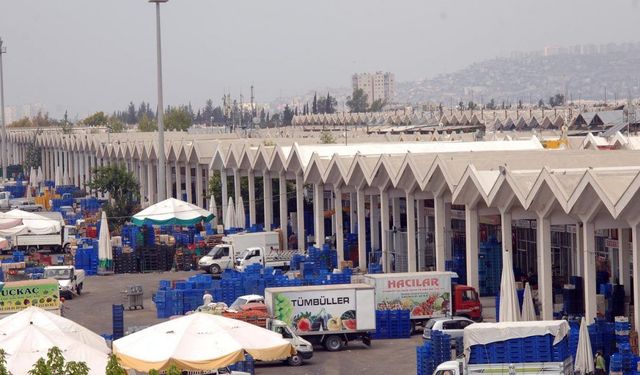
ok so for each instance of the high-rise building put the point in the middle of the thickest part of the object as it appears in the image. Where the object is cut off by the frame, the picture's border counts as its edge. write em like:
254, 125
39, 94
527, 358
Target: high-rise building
377, 85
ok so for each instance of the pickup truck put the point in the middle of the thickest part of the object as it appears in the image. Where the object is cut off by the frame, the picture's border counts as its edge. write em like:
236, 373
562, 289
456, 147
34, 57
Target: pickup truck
7, 202
70, 280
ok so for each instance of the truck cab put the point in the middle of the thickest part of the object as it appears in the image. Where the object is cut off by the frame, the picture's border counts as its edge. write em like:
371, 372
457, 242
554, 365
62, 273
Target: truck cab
449, 368
249, 256
70, 280
467, 303
218, 259
304, 349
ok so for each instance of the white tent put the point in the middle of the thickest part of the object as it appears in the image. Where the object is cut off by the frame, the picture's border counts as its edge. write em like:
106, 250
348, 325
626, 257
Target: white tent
17, 222
58, 177
230, 216
240, 216
584, 354
213, 208
509, 306
199, 341
528, 310
172, 212
105, 251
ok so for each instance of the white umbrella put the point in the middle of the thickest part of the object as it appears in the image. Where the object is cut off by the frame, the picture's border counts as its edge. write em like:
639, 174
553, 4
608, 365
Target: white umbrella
199, 341
214, 210
58, 177
56, 324
240, 220
40, 176
509, 306
172, 212
29, 194
584, 354
230, 217
105, 252
528, 310
65, 179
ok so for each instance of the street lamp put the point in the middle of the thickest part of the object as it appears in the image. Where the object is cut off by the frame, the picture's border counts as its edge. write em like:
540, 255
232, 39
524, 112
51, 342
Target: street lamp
3, 149
160, 180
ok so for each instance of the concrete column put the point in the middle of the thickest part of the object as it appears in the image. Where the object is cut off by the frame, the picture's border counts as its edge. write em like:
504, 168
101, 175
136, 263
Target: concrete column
337, 206
396, 224
151, 183
169, 178
179, 181
589, 241
440, 231
411, 232
199, 188
635, 258
507, 235
421, 234
623, 258
225, 194
373, 221
252, 196
362, 230
282, 192
544, 267
384, 229
237, 185
471, 239
188, 178
267, 192
352, 212
142, 181
318, 211
302, 241
579, 251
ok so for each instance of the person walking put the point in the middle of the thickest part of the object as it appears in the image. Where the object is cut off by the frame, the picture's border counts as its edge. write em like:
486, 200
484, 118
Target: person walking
207, 298
599, 363
63, 308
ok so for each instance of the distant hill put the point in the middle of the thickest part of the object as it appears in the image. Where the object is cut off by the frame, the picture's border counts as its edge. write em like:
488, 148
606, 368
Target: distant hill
577, 75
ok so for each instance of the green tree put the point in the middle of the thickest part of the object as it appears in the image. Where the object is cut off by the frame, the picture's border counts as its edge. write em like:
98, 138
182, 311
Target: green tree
326, 137
472, 105
55, 365
330, 104
113, 367
66, 125
377, 105
287, 115
33, 157
491, 104
314, 105
540, 103
22, 123
96, 119
3, 363
131, 116
178, 119
115, 125
122, 188
357, 102
146, 124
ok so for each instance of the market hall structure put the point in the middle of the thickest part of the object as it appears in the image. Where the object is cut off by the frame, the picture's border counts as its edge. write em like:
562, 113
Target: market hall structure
561, 208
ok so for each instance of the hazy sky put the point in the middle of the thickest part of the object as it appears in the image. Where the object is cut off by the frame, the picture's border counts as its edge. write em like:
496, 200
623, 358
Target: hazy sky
88, 55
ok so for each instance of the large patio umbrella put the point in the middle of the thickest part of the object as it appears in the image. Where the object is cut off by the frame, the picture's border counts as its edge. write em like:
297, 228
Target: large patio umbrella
213, 208
199, 341
105, 251
509, 306
240, 221
230, 216
172, 212
584, 354
528, 310
54, 323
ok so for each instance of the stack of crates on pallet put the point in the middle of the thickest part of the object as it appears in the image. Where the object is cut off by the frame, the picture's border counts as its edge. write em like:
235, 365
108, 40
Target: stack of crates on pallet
375, 268
382, 325
425, 359
623, 328
490, 267
118, 321
521, 350
441, 346
248, 365
90, 204
87, 257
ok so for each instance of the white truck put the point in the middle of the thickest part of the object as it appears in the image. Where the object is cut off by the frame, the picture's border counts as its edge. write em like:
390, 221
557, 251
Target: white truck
331, 315
7, 202
481, 334
70, 280
55, 242
243, 249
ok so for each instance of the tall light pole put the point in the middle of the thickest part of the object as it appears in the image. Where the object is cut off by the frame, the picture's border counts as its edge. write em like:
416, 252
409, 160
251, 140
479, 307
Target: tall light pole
3, 149
160, 180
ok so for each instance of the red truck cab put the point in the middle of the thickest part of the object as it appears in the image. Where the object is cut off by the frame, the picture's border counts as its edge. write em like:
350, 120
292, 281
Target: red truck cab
466, 302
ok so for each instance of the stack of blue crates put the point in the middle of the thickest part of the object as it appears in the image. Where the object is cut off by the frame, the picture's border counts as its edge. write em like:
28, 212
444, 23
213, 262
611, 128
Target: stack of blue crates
118, 321
87, 258
18, 256
490, 267
521, 350
90, 204
623, 328
392, 324
17, 191
375, 268
440, 346
248, 365
426, 363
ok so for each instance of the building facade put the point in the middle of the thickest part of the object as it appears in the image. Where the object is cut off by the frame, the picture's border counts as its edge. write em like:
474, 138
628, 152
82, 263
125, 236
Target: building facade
377, 85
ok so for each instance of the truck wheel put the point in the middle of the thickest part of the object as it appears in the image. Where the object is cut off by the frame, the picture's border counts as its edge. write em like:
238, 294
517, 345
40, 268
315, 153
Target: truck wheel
32, 250
66, 249
294, 360
413, 327
333, 343
215, 269
79, 289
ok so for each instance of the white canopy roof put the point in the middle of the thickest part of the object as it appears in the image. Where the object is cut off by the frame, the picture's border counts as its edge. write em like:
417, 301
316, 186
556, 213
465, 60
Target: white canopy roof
16, 222
486, 333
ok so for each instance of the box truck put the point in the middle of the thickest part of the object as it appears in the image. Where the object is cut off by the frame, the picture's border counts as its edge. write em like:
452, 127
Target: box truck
426, 294
329, 315
240, 250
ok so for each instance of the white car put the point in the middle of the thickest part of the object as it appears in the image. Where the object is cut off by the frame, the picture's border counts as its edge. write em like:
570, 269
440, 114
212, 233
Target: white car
452, 326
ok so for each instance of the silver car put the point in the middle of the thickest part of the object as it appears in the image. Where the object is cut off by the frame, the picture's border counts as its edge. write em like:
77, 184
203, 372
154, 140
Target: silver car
452, 326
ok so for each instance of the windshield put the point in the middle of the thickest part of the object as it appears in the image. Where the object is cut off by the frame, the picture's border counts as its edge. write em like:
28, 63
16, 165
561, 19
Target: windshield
239, 302
219, 252
72, 231
430, 324
58, 274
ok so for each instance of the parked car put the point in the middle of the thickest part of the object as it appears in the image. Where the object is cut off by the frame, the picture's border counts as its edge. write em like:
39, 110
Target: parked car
452, 326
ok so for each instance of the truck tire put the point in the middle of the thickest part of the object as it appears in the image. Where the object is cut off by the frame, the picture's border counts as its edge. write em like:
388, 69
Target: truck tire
333, 343
32, 250
295, 360
79, 289
66, 249
214, 269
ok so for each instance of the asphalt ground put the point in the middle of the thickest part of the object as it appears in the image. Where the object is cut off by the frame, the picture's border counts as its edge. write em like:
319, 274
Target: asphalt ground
93, 310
